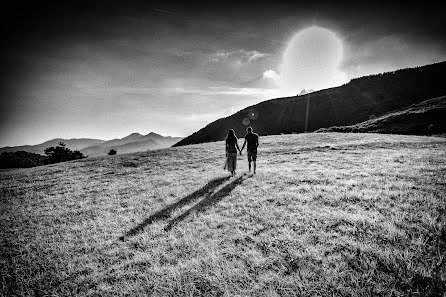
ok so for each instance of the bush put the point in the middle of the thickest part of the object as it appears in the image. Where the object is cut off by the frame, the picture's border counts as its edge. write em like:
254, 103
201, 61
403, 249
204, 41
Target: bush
112, 152
21, 159
61, 153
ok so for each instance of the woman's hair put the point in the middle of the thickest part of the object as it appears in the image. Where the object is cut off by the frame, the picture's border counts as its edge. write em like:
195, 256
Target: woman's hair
231, 136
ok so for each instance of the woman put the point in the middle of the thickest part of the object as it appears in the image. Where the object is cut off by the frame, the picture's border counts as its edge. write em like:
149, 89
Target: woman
231, 151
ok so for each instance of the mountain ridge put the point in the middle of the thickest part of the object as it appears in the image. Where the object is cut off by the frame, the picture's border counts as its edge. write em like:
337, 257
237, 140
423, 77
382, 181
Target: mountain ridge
72, 143
348, 104
134, 142
97, 147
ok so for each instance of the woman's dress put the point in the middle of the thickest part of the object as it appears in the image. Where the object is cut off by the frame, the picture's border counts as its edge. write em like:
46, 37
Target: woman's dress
231, 156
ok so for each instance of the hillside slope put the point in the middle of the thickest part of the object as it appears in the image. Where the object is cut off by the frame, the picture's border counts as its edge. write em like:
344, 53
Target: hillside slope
425, 118
328, 214
349, 104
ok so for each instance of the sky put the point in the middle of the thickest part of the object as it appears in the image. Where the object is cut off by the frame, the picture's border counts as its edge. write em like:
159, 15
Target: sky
105, 70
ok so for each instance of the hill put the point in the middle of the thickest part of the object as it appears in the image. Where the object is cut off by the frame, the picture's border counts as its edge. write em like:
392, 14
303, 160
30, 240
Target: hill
425, 118
327, 214
74, 144
134, 142
349, 104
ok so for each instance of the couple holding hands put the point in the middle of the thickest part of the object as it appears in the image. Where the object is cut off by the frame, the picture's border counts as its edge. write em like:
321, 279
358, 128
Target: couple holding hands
252, 142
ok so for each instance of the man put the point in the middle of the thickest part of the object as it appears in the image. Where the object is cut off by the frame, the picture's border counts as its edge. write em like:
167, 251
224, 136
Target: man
252, 139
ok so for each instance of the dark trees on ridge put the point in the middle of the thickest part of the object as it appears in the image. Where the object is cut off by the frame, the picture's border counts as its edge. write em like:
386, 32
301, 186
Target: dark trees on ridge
61, 153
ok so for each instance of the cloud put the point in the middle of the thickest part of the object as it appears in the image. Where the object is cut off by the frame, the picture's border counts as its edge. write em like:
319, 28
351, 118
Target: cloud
272, 75
219, 56
260, 93
241, 56
255, 55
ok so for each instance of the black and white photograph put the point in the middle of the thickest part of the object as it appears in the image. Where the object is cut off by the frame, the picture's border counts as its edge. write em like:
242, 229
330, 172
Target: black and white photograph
222, 148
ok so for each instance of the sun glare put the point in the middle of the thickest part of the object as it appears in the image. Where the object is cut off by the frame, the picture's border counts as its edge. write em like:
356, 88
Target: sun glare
311, 61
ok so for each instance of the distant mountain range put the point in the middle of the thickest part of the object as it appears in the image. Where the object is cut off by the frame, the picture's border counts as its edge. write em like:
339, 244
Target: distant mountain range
74, 144
352, 103
134, 142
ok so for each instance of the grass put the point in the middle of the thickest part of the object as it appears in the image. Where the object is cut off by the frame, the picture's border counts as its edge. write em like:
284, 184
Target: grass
326, 214
423, 118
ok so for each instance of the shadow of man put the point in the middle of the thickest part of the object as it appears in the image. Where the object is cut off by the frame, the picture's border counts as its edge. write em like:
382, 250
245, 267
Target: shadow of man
208, 201
164, 213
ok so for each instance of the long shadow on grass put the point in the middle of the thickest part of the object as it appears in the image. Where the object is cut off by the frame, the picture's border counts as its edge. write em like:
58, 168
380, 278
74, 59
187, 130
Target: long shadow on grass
164, 213
208, 201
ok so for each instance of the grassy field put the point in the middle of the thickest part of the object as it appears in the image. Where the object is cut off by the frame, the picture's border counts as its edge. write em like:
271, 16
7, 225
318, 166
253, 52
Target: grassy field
327, 214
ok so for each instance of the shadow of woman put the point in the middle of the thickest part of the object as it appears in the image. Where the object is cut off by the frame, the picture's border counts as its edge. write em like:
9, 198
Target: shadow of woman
164, 213
208, 201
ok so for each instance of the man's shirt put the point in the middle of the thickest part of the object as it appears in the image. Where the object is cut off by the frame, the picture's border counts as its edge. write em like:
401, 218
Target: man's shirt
252, 140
